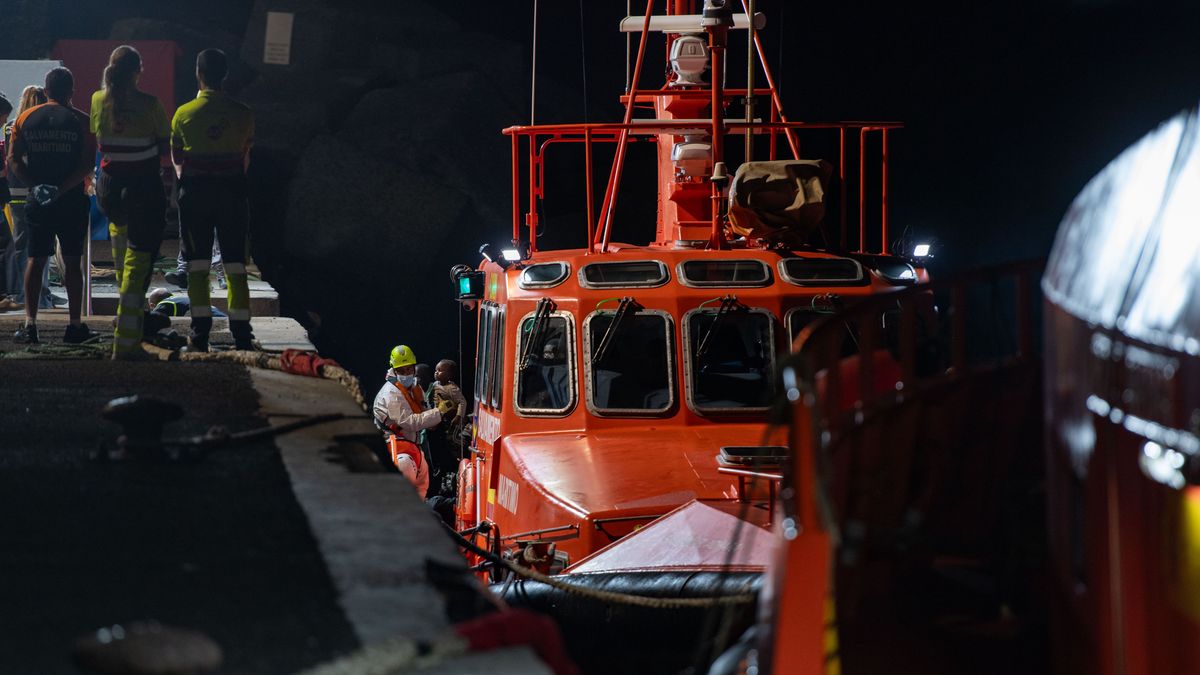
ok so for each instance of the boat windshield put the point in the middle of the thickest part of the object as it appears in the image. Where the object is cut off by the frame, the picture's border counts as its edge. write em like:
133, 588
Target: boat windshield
544, 380
633, 374
734, 370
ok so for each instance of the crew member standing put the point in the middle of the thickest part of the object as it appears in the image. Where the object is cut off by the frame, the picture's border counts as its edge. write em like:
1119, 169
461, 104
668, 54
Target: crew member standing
131, 127
52, 151
400, 412
210, 143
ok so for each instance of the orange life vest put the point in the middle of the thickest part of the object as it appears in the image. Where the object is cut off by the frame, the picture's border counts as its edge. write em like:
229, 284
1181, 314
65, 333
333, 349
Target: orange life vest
415, 403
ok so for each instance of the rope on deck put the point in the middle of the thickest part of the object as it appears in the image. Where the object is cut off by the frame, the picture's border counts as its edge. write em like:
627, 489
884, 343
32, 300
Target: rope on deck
265, 360
598, 594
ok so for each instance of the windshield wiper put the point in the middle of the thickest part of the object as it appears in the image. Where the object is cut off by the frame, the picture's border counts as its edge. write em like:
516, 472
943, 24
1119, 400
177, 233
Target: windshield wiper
627, 304
729, 303
541, 317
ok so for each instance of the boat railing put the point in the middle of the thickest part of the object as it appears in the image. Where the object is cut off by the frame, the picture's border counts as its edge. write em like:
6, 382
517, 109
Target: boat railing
956, 345
859, 155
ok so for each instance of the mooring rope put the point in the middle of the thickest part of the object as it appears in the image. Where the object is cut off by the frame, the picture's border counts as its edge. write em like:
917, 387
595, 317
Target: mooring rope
597, 594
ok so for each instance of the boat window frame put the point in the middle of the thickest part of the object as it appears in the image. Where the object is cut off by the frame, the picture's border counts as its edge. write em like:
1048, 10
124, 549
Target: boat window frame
572, 369
689, 388
685, 281
664, 279
527, 285
862, 280
496, 394
587, 372
483, 353
787, 322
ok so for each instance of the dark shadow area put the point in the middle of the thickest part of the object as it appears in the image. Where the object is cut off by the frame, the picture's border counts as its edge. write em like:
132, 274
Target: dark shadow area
220, 546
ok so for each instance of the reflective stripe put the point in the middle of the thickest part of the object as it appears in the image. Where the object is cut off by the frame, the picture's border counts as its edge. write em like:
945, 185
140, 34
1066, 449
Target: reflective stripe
199, 265
127, 342
129, 321
136, 142
202, 312
148, 153
235, 268
18, 191
132, 300
239, 314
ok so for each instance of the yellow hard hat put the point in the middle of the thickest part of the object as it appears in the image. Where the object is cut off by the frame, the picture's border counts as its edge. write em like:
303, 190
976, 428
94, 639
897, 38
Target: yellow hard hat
402, 356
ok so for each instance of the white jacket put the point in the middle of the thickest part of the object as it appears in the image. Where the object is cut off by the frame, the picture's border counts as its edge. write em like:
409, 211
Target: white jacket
393, 414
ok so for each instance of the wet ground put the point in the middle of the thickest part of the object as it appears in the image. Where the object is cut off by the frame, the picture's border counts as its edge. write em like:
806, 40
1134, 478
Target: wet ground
221, 546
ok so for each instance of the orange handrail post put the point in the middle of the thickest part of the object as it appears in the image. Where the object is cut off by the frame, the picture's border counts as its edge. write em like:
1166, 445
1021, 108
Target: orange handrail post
718, 144
516, 186
842, 182
587, 159
884, 246
862, 190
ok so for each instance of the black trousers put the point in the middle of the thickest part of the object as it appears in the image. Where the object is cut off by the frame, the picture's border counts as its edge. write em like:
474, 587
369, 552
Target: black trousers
213, 202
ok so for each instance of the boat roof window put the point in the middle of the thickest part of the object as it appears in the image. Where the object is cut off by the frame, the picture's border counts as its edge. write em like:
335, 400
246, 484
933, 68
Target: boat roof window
730, 358
546, 379
752, 273
631, 372
629, 274
544, 275
822, 271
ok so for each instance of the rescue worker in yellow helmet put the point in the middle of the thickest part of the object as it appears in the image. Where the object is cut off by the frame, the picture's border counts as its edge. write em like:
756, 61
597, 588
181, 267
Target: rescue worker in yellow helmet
400, 412
210, 144
131, 128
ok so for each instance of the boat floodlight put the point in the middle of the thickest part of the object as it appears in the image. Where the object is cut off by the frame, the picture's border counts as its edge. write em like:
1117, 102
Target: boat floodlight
921, 251
512, 254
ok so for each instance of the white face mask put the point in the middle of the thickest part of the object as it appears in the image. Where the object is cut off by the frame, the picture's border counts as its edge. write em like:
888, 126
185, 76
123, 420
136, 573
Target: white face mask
406, 380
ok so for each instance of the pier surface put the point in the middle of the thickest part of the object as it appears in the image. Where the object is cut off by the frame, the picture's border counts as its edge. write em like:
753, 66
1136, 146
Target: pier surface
287, 551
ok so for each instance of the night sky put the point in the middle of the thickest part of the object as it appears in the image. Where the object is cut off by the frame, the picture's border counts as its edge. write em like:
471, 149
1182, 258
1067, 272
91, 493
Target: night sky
1009, 107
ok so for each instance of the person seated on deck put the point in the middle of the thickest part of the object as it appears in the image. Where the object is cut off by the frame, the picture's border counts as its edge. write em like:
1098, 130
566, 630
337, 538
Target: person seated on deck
164, 304
400, 413
555, 374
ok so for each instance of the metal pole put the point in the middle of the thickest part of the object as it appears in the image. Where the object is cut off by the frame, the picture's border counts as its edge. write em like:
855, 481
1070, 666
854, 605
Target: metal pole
750, 85
87, 276
533, 70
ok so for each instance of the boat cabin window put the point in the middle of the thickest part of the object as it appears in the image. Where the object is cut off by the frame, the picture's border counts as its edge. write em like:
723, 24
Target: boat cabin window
730, 359
822, 271
628, 365
545, 365
543, 275
800, 317
489, 350
726, 273
498, 361
629, 274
